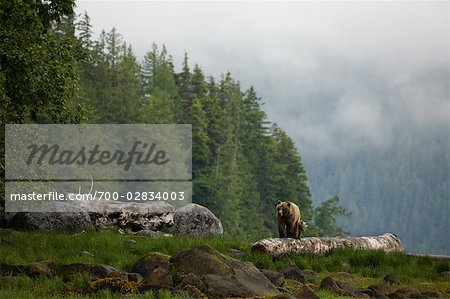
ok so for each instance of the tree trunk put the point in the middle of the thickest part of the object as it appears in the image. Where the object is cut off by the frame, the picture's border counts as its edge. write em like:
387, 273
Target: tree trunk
278, 247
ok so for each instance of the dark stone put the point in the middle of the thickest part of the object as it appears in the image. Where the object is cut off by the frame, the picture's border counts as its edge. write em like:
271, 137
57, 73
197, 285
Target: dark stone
276, 278
406, 293
159, 277
293, 272
218, 286
13, 270
204, 260
95, 270
284, 290
431, 293
53, 221
237, 253
341, 288
397, 295
135, 277
310, 275
283, 296
147, 287
380, 290
46, 268
367, 291
328, 283
305, 292
122, 275
191, 280
149, 262
391, 279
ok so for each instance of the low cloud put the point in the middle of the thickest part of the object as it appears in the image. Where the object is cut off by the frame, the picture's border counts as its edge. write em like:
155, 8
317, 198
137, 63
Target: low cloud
334, 75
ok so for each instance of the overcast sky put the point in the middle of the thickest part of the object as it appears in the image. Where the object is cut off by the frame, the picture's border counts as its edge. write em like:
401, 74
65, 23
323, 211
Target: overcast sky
332, 74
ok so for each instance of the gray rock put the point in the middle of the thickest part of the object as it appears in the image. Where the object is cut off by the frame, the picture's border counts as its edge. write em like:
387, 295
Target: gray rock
217, 286
95, 270
305, 292
293, 272
380, 290
191, 280
45, 268
276, 278
197, 220
341, 288
53, 221
391, 279
230, 276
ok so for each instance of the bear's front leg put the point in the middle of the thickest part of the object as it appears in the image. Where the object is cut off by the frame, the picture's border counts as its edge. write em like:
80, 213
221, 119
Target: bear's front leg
282, 231
290, 231
297, 231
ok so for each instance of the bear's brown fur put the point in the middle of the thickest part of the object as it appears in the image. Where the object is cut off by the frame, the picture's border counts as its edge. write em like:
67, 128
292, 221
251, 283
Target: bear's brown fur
288, 216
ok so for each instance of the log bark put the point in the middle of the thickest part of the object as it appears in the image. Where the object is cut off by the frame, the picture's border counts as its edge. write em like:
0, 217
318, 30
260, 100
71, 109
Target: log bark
278, 247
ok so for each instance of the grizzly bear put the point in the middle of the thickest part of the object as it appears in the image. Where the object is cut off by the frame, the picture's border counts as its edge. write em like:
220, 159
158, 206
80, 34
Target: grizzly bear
288, 216
302, 226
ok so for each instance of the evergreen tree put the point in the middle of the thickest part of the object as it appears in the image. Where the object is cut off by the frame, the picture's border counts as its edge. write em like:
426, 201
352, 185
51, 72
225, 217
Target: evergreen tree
325, 217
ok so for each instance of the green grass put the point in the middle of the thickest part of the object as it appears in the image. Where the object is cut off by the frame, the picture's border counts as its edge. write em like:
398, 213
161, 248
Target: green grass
108, 247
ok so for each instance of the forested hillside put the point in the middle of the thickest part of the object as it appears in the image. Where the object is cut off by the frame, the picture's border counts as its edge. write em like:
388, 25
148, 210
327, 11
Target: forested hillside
242, 163
403, 188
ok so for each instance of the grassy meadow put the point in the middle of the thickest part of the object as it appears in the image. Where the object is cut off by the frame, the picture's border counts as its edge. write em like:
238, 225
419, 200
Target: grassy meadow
360, 268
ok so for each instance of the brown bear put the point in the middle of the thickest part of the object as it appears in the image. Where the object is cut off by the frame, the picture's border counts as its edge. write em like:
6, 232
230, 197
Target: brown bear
288, 215
302, 226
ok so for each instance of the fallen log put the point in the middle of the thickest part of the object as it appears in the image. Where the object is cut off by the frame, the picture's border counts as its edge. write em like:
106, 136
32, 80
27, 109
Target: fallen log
278, 247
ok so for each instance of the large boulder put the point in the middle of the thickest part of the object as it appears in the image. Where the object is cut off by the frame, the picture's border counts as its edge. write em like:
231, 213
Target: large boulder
194, 219
52, 221
222, 276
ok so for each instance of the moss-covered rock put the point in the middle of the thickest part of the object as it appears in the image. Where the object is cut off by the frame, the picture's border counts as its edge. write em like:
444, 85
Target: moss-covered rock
222, 276
149, 262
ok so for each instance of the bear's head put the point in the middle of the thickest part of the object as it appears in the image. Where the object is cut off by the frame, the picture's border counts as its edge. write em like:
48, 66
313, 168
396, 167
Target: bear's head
283, 208
303, 225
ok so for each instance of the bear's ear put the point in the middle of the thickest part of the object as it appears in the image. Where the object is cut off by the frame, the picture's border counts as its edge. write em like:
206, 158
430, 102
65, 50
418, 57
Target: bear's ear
289, 204
278, 202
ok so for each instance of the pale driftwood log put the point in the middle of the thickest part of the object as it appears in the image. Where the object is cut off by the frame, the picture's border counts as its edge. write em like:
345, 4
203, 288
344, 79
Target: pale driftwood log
277, 247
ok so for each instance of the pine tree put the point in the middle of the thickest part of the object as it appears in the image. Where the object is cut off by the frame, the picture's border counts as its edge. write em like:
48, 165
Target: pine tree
84, 28
185, 88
